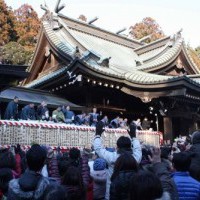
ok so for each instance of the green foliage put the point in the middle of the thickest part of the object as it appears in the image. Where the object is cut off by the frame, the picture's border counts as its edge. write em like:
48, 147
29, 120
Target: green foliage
18, 33
15, 54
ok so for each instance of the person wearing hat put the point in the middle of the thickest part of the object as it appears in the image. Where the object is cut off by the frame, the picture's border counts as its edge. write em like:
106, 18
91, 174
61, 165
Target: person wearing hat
99, 175
58, 115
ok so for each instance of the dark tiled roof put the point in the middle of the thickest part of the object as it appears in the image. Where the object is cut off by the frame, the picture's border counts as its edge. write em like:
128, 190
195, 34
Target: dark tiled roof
123, 62
35, 96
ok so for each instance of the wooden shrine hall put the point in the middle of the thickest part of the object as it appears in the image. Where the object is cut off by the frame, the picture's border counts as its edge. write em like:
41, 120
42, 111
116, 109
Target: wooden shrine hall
94, 67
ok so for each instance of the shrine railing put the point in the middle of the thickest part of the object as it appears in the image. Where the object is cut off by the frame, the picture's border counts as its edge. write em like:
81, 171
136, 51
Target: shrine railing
66, 136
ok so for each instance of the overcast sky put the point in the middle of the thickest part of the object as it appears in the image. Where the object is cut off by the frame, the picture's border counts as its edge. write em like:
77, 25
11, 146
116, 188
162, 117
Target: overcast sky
172, 15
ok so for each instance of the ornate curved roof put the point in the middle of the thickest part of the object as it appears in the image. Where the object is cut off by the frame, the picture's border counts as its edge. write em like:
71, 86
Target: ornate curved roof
127, 61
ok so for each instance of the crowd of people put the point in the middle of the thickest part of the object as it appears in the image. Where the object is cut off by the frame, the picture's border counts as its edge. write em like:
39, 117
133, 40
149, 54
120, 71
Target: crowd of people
130, 171
64, 114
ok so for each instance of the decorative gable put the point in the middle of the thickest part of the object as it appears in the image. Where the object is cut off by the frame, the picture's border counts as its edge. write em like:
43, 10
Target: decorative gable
179, 67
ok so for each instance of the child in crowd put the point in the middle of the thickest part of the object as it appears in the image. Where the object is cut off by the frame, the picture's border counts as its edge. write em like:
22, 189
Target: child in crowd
99, 175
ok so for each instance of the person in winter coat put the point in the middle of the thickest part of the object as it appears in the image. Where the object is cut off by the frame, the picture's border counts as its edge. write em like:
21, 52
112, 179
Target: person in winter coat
58, 115
94, 117
115, 123
188, 187
99, 175
12, 109
55, 192
31, 185
80, 119
124, 144
155, 184
125, 167
195, 150
28, 112
5, 177
69, 115
11, 160
77, 160
73, 182
43, 111
52, 166
100, 126
146, 186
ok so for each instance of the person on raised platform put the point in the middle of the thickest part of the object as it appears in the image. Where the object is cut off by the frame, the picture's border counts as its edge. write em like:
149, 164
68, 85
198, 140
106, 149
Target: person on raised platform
69, 115
124, 144
12, 109
58, 115
80, 119
146, 124
86, 120
94, 117
28, 112
115, 123
124, 123
138, 124
43, 111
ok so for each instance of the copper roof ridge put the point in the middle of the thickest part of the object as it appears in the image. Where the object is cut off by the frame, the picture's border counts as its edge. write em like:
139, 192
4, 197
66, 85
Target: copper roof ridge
149, 47
100, 29
176, 50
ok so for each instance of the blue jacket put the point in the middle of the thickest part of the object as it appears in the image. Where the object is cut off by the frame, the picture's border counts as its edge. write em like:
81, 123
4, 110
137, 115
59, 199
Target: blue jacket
188, 188
28, 113
69, 114
11, 110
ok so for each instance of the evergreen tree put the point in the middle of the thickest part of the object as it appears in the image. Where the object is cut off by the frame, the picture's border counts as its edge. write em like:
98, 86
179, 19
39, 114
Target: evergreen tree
15, 54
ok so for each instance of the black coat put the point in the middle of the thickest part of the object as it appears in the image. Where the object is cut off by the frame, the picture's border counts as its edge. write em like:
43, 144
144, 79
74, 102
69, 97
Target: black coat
114, 123
30, 185
28, 113
93, 117
195, 162
100, 126
41, 110
120, 185
11, 111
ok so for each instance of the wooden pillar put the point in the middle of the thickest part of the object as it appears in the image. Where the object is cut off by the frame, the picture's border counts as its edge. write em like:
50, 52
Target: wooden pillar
168, 130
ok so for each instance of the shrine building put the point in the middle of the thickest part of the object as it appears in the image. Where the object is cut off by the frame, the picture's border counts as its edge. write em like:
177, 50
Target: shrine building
90, 66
